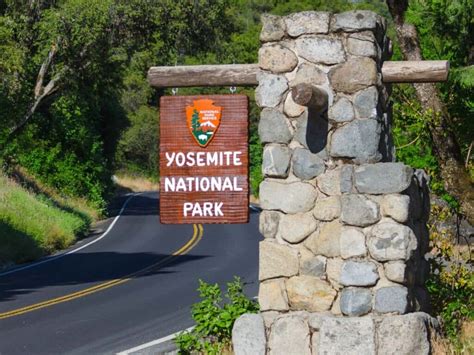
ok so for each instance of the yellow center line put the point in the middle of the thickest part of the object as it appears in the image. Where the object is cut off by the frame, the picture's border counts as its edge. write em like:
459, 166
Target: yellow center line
198, 231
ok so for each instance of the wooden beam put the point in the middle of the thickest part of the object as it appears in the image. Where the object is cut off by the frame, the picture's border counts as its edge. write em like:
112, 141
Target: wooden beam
204, 75
310, 96
246, 74
426, 71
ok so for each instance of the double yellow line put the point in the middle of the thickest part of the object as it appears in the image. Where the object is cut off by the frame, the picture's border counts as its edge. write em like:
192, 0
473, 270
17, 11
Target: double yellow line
198, 231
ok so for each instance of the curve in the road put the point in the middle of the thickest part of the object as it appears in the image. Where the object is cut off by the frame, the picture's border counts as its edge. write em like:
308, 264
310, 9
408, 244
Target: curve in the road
147, 307
198, 231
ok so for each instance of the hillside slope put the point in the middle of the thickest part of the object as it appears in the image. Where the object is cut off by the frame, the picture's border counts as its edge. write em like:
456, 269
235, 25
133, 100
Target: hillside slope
38, 221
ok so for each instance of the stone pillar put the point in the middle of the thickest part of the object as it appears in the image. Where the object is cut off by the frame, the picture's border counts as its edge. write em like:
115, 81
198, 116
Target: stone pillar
342, 264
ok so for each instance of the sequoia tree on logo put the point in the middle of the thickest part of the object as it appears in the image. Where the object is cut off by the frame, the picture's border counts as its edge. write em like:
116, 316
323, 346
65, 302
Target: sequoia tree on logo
203, 119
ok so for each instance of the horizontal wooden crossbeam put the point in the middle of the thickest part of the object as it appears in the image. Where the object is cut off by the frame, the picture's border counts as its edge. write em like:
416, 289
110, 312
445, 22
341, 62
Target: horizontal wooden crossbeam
204, 75
423, 71
246, 74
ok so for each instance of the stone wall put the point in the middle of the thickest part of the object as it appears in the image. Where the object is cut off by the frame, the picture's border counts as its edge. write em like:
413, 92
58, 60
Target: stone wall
344, 225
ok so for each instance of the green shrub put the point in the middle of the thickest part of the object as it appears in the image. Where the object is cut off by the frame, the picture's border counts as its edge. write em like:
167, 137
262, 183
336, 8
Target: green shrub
215, 318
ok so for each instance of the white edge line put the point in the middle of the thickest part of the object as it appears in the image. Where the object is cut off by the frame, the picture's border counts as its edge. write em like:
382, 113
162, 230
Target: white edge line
81, 247
154, 342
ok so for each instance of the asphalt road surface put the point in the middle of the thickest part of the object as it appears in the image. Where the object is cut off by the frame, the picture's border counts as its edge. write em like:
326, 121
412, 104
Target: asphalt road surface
127, 288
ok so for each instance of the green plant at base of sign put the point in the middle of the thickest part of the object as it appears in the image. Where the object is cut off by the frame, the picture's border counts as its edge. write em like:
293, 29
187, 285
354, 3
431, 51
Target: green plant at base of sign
215, 318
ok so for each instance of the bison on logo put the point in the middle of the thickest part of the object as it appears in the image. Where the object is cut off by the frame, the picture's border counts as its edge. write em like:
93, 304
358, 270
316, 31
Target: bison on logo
203, 120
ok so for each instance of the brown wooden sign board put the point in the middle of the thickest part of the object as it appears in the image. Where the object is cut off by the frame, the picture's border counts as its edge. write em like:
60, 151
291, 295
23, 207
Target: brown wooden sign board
204, 159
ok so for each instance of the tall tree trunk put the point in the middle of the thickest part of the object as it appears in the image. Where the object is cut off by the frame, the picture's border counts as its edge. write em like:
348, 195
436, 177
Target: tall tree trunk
456, 179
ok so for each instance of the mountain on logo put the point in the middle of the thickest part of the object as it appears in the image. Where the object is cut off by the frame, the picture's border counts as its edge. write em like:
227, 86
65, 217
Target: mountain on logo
203, 120
208, 124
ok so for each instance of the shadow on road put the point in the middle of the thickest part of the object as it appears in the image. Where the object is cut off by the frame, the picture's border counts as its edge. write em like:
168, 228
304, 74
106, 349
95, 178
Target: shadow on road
84, 269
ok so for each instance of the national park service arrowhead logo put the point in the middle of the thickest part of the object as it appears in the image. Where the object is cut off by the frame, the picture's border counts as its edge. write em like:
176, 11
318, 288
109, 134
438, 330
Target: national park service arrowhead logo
203, 120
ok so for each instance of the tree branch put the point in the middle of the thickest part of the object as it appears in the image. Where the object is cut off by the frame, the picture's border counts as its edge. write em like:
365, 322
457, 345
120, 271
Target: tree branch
40, 93
43, 70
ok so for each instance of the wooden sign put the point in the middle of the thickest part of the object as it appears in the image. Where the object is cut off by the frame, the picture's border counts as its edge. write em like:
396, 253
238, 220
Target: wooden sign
204, 159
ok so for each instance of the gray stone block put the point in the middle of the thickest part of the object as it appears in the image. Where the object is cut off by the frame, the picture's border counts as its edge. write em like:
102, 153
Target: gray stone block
382, 178
351, 21
276, 58
348, 336
323, 50
273, 127
273, 28
289, 334
346, 184
309, 74
391, 299
354, 75
330, 182
270, 89
341, 111
248, 335
272, 296
333, 272
307, 165
277, 260
315, 320
313, 266
395, 271
308, 293
396, 206
356, 301
358, 210
325, 241
390, 241
268, 224
366, 103
276, 160
307, 22
352, 243
296, 227
406, 335
359, 273
327, 208
287, 197
361, 47
358, 140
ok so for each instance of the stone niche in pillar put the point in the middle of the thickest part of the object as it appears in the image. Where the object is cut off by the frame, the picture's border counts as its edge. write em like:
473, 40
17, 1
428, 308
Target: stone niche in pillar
342, 266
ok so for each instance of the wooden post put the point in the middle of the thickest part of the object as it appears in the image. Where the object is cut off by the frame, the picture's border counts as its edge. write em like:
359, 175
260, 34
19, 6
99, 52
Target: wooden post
204, 75
426, 71
310, 96
246, 74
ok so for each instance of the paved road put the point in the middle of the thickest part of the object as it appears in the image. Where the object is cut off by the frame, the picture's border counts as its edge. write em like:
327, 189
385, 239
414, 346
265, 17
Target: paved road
134, 285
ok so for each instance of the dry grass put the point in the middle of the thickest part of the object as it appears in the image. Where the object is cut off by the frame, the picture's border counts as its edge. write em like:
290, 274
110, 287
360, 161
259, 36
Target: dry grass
136, 183
467, 337
440, 346
464, 345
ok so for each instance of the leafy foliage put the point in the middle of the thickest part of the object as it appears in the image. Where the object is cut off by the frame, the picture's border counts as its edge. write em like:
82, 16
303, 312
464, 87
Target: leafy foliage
215, 318
451, 283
